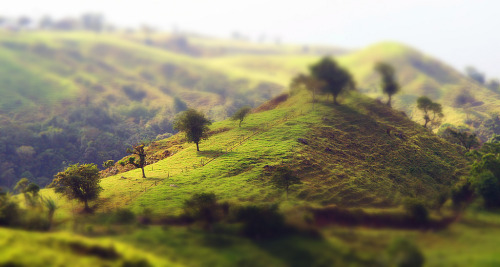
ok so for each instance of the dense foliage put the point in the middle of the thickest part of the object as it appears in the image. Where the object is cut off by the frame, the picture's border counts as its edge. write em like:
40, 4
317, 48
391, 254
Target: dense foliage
194, 124
79, 182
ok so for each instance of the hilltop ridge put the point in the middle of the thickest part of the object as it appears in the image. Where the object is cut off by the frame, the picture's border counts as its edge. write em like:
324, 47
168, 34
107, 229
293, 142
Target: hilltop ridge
347, 155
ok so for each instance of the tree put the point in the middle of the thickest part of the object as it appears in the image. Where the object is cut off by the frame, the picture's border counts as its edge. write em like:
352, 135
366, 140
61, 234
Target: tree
311, 84
194, 124
389, 84
427, 106
461, 137
485, 175
78, 181
336, 79
494, 85
29, 190
474, 74
51, 206
202, 207
108, 163
139, 151
241, 114
283, 178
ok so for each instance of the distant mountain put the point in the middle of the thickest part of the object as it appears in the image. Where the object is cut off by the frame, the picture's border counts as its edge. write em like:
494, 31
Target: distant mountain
85, 97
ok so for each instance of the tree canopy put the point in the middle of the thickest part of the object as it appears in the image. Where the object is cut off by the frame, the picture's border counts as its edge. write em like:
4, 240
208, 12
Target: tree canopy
194, 124
78, 181
283, 178
310, 83
240, 114
432, 110
139, 151
336, 79
389, 84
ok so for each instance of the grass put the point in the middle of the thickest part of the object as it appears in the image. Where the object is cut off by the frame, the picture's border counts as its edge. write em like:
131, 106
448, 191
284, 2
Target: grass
59, 249
349, 160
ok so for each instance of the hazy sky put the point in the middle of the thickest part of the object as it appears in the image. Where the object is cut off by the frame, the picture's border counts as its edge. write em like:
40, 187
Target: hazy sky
460, 32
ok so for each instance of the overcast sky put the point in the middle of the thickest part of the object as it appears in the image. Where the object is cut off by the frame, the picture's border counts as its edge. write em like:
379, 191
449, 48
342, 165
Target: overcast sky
460, 32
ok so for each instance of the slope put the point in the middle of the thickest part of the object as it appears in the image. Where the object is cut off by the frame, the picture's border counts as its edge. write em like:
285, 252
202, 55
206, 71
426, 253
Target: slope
343, 154
417, 73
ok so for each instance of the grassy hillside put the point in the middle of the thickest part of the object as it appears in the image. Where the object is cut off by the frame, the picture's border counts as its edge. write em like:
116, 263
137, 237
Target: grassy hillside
417, 73
349, 159
88, 67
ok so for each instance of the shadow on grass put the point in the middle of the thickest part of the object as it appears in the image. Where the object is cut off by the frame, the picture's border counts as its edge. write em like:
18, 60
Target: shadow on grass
211, 153
298, 250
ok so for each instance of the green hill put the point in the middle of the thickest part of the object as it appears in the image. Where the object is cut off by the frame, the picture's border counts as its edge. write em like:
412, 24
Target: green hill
95, 94
349, 159
417, 73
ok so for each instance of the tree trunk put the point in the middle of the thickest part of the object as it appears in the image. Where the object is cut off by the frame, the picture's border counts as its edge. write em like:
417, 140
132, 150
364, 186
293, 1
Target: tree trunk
314, 97
335, 99
389, 101
197, 147
51, 218
425, 125
143, 174
87, 208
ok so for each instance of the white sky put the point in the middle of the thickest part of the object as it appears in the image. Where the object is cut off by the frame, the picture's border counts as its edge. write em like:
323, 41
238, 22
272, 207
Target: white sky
460, 32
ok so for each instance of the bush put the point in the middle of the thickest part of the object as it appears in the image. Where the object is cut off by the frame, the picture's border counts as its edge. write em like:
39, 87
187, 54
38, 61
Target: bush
9, 211
487, 186
262, 222
462, 192
124, 216
202, 207
403, 253
417, 210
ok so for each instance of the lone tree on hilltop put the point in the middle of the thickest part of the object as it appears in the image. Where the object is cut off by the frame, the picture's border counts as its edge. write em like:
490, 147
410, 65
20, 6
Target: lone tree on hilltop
389, 84
79, 182
311, 84
336, 79
429, 108
194, 124
241, 114
139, 151
283, 178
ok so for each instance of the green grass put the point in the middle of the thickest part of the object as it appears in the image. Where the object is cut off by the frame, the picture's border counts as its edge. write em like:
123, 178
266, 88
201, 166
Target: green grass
349, 160
22, 248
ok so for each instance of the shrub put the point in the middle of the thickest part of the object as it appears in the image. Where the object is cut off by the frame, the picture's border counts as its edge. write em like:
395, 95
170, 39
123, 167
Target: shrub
417, 210
403, 253
262, 222
462, 192
202, 207
124, 216
487, 186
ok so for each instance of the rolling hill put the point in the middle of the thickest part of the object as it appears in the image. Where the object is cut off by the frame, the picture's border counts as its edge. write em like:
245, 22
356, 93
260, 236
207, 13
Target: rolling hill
343, 154
96, 94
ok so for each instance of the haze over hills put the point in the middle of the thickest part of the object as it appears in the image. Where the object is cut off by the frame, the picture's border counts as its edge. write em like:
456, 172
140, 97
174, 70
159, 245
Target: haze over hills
86, 97
96, 94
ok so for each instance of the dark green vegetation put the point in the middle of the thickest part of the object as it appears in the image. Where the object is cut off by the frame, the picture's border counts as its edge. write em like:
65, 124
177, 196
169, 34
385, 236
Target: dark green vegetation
336, 79
81, 97
389, 84
360, 163
432, 110
141, 162
194, 124
79, 182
